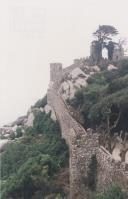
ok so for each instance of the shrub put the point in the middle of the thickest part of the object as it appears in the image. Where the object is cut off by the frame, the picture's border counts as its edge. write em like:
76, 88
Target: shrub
97, 79
32, 176
104, 98
118, 84
19, 132
44, 124
113, 192
12, 136
41, 102
29, 164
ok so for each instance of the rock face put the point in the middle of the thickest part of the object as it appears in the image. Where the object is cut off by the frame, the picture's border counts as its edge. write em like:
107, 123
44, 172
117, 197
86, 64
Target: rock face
7, 130
126, 157
24, 121
75, 79
30, 119
110, 171
116, 152
20, 121
111, 67
49, 109
3, 144
83, 146
120, 150
77, 72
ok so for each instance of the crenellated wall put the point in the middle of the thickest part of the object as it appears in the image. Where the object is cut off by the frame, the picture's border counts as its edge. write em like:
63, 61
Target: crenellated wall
83, 147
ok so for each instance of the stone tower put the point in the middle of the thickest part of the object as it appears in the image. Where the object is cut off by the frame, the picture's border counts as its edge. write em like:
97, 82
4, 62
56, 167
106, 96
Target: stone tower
96, 51
118, 53
55, 72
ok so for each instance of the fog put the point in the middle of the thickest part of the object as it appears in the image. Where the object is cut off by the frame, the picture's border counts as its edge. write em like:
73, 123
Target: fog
34, 33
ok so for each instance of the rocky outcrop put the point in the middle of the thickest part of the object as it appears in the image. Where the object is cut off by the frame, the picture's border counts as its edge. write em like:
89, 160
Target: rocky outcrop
20, 121
3, 144
110, 171
30, 119
24, 121
75, 79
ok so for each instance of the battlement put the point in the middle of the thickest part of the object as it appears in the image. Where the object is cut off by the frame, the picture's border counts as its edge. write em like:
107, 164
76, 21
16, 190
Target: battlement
57, 72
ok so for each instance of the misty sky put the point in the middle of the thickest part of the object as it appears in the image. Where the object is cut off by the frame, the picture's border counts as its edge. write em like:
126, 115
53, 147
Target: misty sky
34, 33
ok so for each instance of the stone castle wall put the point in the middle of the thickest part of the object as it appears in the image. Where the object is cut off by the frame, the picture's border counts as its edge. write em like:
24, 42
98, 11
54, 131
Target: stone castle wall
55, 72
82, 146
110, 171
77, 63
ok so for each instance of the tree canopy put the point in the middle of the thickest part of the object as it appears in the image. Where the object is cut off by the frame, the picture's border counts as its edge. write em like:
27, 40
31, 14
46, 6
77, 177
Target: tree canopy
103, 103
105, 33
31, 165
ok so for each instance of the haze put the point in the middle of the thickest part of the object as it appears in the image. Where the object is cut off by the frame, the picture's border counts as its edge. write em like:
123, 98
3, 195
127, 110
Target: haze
34, 33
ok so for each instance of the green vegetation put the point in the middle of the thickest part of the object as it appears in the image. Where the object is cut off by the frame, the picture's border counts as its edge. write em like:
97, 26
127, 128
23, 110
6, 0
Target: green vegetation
16, 134
41, 102
29, 165
44, 124
114, 192
104, 102
19, 132
104, 35
105, 32
12, 136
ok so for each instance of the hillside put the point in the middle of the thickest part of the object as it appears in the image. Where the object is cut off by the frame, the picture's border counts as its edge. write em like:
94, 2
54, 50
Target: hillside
32, 164
103, 105
35, 163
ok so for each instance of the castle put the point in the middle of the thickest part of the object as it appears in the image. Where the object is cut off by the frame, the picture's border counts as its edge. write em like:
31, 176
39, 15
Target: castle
115, 53
84, 147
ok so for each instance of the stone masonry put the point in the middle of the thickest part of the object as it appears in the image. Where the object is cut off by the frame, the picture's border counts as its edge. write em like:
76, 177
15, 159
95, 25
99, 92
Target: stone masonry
83, 145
